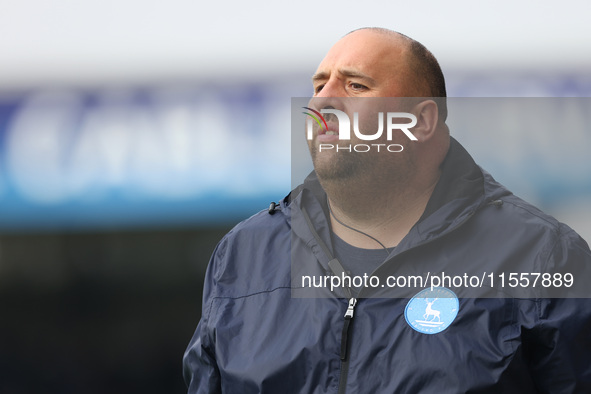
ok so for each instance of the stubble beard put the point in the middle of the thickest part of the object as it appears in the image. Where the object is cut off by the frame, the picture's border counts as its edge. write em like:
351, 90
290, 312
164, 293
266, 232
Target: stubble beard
340, 166
361, 169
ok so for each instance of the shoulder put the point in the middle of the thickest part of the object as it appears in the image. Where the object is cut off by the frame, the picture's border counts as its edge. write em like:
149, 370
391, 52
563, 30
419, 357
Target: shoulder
514, 212
262, 227
254, 256
535, 242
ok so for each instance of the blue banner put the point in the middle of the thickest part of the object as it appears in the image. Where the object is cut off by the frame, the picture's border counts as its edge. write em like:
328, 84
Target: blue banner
142, 156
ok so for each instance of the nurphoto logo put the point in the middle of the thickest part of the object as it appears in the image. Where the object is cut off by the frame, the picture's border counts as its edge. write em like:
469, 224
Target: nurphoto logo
333, 133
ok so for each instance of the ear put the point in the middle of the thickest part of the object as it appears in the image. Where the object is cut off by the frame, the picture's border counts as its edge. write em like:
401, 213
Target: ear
427, 117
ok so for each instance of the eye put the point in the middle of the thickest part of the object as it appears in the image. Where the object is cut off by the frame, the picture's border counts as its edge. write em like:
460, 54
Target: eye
357, 86
318, 88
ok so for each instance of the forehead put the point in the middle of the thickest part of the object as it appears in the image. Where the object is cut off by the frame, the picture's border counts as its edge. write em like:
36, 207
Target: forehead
379, 55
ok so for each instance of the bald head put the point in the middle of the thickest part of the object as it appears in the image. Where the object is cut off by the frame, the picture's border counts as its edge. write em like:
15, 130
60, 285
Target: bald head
403, 66
424, 66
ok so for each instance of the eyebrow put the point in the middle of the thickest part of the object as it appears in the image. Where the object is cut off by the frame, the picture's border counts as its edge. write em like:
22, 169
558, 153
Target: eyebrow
346, 72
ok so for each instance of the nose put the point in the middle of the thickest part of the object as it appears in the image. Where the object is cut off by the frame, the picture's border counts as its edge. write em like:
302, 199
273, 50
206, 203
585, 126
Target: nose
330, 96
320, 103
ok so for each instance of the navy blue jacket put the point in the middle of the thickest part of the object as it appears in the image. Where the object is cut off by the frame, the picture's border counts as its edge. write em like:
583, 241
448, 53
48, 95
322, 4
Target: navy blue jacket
262, 332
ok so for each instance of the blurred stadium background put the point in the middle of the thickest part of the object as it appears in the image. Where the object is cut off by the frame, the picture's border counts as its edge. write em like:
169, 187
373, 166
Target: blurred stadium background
134, 134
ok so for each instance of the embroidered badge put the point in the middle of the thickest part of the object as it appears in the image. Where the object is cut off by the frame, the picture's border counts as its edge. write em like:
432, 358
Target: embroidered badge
432, 310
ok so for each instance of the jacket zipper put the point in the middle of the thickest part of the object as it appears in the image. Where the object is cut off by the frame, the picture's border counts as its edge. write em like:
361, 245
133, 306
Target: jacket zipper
345, 345
338, 269
345, 333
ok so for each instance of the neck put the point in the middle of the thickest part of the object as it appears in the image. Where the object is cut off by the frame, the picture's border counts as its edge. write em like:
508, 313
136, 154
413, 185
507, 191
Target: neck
384, 209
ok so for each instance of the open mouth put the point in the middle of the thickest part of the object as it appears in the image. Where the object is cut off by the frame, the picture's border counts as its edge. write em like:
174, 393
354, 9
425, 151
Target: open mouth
333, 129
329, 135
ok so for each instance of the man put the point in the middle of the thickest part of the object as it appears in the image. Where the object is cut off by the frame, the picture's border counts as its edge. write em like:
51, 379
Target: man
428, 208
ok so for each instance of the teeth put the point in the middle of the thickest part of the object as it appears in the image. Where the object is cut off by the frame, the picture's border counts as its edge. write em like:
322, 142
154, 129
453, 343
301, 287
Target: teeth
330, 132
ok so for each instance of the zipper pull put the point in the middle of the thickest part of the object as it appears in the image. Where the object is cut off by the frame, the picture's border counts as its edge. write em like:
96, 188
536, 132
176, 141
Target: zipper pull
346, 323
351, 308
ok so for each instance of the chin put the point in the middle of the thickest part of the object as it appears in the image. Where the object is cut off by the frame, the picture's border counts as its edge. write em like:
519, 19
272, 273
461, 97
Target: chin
337, 167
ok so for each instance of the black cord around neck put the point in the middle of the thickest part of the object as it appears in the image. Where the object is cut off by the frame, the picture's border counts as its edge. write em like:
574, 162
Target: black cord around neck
354, 229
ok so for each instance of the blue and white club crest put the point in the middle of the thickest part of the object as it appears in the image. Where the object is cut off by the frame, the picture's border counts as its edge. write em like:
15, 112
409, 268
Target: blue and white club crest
432, 310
